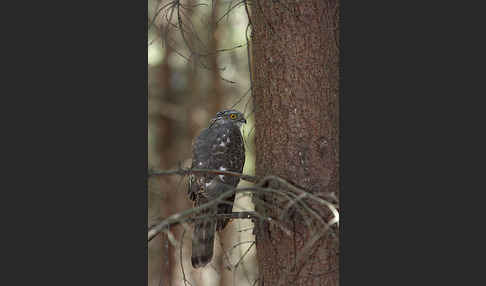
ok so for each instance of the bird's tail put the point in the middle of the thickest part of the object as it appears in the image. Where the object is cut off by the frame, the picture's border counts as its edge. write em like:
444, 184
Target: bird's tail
203, 242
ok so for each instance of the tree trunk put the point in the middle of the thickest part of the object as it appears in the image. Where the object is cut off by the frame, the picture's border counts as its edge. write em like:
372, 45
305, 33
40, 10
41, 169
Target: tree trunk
295, 61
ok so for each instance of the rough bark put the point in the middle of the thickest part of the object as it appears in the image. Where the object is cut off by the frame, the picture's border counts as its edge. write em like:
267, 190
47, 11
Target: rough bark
294, 55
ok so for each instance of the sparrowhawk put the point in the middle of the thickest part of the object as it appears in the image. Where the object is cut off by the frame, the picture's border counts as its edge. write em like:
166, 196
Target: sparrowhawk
220, 147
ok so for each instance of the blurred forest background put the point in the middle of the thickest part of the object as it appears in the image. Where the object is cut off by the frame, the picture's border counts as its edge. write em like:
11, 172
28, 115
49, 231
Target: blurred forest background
197, 66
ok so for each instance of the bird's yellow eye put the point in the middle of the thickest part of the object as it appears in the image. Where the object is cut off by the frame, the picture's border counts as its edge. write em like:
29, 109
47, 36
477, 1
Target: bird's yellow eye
233, 116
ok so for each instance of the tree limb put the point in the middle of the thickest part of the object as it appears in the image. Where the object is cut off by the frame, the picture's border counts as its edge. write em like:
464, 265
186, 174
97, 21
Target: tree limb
188, 171
296, 195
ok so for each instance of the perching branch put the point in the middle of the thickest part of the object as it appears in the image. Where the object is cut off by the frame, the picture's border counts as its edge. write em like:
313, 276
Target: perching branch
188, 171
281, 187
186, 215
172, 220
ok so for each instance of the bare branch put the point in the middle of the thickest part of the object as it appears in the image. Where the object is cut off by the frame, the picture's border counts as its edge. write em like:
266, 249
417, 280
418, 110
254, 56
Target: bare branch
188, 171
178, 218
286, 190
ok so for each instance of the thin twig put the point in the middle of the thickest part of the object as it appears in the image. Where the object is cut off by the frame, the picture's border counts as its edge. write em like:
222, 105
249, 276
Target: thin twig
180, 260
244, 254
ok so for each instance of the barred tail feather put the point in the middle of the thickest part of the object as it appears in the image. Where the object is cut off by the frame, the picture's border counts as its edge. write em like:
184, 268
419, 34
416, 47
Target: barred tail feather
203, 243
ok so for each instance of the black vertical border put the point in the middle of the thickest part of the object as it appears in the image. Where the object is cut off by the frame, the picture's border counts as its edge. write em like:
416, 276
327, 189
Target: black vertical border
405, 142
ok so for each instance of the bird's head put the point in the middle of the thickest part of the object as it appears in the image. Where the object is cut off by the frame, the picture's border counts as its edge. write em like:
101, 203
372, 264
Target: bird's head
231, 115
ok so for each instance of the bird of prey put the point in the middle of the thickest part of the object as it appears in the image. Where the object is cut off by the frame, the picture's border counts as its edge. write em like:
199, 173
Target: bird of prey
220, 147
